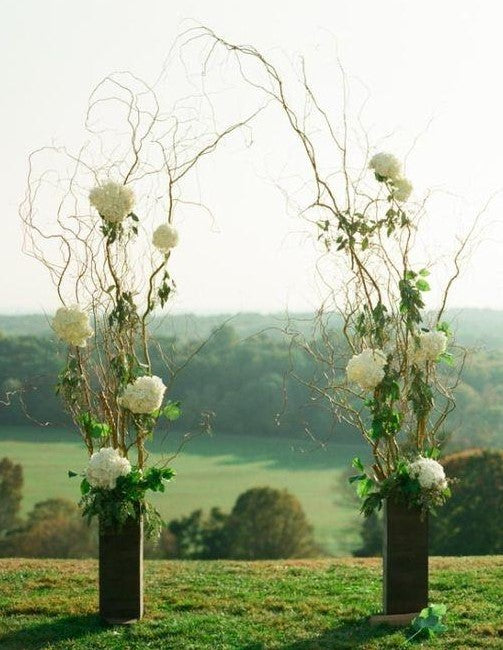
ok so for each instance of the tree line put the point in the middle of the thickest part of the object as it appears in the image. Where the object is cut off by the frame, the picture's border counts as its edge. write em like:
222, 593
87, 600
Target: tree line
245, 384
264, 523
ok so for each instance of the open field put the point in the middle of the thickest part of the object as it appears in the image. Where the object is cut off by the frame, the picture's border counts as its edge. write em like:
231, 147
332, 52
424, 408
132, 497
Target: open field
211, 472
287, 605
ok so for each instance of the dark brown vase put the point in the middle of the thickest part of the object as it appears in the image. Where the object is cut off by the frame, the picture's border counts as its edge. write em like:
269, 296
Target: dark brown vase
121, 572
405, 559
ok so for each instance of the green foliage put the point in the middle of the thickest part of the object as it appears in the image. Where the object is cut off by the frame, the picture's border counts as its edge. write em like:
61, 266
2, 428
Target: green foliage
54, 528
420, 394
230, 377
372, 537
386, 419
124, 313
268, 523
264, 523
372, 323
399, 486
172, 411
429, 622
70, 382
11, 493
197, 537
165, 289
125, 368
411, 286
92, 427
113, 507
471, 522
111, 231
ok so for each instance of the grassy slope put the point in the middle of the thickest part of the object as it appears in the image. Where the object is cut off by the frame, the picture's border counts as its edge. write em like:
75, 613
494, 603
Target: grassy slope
211, 472
295, 605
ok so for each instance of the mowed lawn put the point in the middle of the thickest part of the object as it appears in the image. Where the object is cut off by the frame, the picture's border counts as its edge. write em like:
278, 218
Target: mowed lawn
287, 605
211, 471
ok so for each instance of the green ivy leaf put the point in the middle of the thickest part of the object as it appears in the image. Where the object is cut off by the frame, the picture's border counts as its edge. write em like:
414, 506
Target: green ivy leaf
394, 390
92, 427
444, 327
447, 358
85, 487
429, 620
357, 464
172, 411
432, 452
422, 285
364, 486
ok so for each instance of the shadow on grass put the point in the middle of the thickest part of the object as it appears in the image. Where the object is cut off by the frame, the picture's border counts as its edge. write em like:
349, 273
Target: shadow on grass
348, 635
40, 635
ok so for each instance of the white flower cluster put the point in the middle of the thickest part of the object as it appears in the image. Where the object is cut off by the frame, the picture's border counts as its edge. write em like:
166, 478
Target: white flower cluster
367, 368
403, 189
112, 201
165, 238
144, 395
71, 325
105, 466
387, 167
431, 345
429, 473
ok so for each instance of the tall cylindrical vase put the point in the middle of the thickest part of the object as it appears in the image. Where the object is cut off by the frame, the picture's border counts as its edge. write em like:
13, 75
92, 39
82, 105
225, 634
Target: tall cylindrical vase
405, 559
121, 572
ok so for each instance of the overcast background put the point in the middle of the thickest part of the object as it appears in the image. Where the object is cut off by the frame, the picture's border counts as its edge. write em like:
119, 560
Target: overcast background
431, 68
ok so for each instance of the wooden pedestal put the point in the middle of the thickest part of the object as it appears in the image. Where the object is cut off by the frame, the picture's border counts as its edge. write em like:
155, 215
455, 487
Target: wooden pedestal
405, 560
121, 573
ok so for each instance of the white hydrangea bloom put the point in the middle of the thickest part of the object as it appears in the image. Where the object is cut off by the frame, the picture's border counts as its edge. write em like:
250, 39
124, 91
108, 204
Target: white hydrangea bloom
431, 345
165, 237
403, 189
113, 201
429, 473
367, 368
386, 165
144, 395
71, 325
105, 466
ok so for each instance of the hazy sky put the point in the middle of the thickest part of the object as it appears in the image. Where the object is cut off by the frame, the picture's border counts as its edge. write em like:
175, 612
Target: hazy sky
430, 67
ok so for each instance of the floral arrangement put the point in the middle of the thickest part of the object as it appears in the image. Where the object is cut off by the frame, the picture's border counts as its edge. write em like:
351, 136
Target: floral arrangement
384, 364
123, 410
395, 373
101, 221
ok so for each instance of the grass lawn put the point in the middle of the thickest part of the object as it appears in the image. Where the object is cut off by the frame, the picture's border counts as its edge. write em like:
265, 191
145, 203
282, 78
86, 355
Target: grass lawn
212, 471
287, 605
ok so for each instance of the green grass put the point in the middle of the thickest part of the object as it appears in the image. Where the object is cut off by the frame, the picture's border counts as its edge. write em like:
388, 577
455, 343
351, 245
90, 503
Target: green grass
287, 605
211, 472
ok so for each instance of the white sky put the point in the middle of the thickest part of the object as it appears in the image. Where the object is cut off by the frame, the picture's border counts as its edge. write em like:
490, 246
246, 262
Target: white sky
419, 60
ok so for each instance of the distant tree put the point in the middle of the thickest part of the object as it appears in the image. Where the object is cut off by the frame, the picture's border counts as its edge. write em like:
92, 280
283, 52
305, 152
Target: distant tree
167, 544
196, 537
371, 533
11, 493
471, 522
55, 529
266, 524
